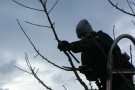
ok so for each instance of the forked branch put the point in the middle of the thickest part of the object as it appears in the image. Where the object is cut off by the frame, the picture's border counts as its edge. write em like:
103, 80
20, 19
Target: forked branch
33, 72
121, 9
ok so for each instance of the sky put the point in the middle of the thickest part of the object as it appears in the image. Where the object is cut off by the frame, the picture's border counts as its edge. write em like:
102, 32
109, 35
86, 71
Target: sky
66, 15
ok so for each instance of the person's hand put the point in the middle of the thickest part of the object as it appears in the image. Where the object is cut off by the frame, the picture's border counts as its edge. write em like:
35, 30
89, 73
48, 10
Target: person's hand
84, 68
88, 72
64, 46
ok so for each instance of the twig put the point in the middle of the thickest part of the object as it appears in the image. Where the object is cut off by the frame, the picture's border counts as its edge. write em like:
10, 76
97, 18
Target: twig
133, 22
37, 24
27, 6
64, 87
53, 6
33, 72
114, 31
132, 3
22, 70
45, 1
130, 7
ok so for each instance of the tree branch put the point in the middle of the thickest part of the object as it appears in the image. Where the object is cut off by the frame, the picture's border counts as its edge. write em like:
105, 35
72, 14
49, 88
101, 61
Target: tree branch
75, 72
22, 70
130, 7
36, 49
32, 71
133, 22
64, 87
132, 3
27, 6
37, 24
116, 6
53, 6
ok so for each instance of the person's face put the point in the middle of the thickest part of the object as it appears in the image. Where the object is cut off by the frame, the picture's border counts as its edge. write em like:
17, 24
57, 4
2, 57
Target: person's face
84, 36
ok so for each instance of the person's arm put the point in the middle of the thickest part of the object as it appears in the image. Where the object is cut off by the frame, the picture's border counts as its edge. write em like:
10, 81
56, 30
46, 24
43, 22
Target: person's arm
83, 46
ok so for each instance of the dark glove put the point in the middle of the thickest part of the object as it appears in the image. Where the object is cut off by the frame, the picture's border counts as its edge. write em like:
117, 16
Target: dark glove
90, 75
64, 46
84, 68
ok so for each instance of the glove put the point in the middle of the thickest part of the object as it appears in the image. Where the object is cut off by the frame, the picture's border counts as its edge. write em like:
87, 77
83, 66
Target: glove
83, 69
64, 46
90, 75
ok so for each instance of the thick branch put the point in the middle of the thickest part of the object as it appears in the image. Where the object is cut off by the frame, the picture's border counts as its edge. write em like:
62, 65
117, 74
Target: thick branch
46, 12
53, 29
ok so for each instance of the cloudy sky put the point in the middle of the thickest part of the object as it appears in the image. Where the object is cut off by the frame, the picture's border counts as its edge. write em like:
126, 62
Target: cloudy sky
66, 15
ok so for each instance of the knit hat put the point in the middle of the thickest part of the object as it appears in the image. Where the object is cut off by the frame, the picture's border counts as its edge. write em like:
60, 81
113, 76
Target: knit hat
82, 27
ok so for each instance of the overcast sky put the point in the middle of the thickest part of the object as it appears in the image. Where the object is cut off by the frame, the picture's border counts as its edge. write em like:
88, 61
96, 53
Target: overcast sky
66, 15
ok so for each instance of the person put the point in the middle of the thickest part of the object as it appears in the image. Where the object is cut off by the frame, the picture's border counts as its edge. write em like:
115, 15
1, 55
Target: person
94, 47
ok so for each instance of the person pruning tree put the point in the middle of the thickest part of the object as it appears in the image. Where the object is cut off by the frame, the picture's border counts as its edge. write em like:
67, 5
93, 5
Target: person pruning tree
94, 47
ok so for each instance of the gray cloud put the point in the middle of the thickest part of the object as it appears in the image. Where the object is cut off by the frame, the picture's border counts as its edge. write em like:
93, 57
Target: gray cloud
4, 89
7, 72
7, 68
60, 78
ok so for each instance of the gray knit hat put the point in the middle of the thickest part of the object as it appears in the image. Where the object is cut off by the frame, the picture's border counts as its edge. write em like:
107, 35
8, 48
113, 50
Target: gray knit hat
83, 26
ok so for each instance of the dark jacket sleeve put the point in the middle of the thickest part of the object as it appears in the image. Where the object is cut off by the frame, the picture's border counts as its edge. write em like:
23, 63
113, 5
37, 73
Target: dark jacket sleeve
83, 45
101, 41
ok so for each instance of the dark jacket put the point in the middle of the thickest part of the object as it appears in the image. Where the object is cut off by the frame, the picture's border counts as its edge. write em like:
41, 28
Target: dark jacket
94, 54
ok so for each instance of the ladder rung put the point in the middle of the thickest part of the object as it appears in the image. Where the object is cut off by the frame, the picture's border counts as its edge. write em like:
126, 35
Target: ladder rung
127, 71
